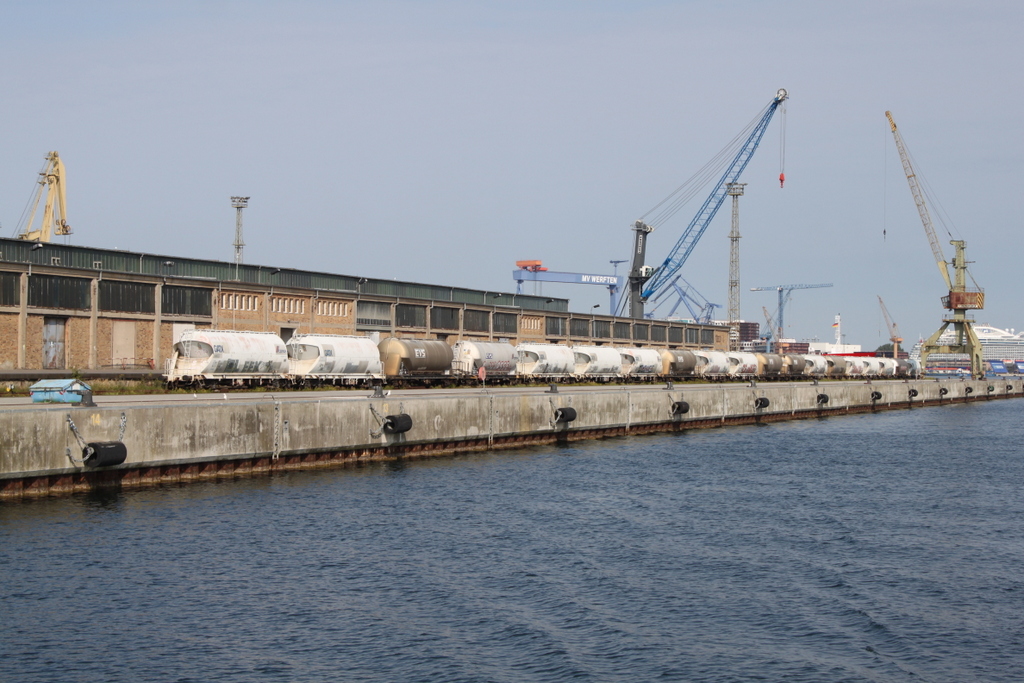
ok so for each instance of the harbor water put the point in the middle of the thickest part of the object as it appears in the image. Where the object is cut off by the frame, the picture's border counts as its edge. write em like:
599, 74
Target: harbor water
883, 547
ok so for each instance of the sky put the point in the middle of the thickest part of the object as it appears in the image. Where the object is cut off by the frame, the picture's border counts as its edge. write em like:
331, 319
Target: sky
441, 142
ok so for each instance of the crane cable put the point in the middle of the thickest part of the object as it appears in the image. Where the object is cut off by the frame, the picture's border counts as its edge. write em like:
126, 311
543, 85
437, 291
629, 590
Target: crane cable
33, 201
782, 148
682, 195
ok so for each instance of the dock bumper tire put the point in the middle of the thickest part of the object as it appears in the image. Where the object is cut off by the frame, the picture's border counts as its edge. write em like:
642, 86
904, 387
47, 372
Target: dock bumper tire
876, 395
397, 424
104, 453
761, 402
680, 408
565, 414
821, 399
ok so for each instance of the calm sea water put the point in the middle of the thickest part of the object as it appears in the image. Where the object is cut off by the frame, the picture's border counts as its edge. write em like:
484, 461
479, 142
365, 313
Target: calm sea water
867, 548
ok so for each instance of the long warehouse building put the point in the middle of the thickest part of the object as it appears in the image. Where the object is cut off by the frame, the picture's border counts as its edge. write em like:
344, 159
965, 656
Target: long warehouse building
64, 306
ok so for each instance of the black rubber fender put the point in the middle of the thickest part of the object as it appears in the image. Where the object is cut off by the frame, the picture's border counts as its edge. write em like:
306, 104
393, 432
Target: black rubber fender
876, 395
822, 399
680, 408
104, 453
565, 414
912, 393
397, 424
991, 388
943, 391
1009, 388
968, 390
761, 402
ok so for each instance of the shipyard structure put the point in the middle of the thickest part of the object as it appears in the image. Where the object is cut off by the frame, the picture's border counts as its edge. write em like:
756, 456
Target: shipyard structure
73, 307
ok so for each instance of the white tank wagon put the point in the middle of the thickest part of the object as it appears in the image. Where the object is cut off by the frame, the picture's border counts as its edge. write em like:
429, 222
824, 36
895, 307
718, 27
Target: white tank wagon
712, 364
404, 357
497, 359
742, 364
678, 363
227, 355
872, 367
544, 360
596, 362
640, 362
855, 366
816, 365
333, 358
888, 367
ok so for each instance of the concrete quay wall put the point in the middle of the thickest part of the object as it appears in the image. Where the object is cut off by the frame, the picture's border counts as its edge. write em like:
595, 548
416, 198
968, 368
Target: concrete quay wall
175, 441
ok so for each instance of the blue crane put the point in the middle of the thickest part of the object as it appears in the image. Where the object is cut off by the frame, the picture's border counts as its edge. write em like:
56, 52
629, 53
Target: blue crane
644, 281
784, 293
701, 310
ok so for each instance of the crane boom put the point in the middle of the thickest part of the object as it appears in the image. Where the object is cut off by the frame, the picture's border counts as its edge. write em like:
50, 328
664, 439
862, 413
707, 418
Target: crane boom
645, 284
922, 208
894, 332
52, 179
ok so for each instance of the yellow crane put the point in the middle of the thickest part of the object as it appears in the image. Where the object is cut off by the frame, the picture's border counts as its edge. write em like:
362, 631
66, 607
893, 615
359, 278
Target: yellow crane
51, 179
894, 331
960, 299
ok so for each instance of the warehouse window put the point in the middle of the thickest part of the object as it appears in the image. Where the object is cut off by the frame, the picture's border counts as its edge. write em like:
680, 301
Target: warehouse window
692, 335
332, 309
373, 313
288, 304
408, 315
506, 323
641, 332
621, 330
127, 297
602, 329
10, 294
52, 291
579, 327
658, 333
554, 326
476, 321
707, 337
444, 318
675, 335
239, 302
186, 301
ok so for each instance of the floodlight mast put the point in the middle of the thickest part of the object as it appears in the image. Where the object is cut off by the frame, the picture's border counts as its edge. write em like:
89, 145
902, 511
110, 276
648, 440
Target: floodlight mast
239, 203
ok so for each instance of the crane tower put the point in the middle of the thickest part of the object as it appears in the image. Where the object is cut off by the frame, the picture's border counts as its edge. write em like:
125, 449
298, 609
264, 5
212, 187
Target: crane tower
960, 298
734, 190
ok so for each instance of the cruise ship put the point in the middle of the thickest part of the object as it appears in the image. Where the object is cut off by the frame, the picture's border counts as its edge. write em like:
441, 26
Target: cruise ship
996, 344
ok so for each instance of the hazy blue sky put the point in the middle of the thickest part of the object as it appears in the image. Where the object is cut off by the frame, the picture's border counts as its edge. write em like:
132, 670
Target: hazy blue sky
442, 141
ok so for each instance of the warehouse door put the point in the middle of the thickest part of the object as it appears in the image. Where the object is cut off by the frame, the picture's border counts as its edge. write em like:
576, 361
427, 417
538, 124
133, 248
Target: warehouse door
122, 339
53, 343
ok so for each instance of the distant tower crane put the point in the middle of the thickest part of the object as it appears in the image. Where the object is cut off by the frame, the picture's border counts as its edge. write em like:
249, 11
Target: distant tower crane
894, 331
239, 203
645, 281
51, 179
734, 190
960, 299
784, 292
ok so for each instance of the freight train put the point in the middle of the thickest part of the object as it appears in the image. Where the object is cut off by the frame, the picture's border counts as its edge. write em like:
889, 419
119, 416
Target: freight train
255, 358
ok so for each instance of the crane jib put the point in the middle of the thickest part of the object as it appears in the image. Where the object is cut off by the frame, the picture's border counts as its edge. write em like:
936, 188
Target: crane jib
677, 257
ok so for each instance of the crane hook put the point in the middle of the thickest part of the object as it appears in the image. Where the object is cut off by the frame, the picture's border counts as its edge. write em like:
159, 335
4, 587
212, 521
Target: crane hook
782, 180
